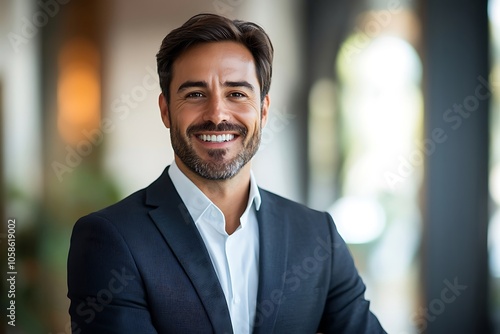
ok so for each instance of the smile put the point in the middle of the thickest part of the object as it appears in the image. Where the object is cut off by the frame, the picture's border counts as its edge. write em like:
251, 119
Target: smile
216, 138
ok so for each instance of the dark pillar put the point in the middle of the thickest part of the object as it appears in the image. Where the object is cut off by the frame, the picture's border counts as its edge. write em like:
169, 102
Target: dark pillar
454, 264
328, 23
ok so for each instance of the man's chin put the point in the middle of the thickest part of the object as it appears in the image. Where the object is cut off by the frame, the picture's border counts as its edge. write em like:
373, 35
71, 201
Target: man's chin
217, 170
216, 175
216, 156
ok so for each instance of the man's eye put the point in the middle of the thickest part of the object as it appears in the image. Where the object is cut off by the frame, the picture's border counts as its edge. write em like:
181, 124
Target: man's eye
194, 95
236, 94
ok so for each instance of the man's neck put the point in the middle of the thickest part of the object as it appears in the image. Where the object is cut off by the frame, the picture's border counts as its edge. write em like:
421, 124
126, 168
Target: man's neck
230, 196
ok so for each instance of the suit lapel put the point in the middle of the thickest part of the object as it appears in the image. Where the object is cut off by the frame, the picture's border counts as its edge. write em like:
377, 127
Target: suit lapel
273, 241
177, 227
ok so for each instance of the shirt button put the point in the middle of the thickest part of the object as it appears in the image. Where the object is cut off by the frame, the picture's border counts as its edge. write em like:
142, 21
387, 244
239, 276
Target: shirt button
236, 300
214, 213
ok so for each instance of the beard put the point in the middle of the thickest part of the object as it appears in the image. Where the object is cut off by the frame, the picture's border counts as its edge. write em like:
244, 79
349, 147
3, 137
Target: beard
217, 167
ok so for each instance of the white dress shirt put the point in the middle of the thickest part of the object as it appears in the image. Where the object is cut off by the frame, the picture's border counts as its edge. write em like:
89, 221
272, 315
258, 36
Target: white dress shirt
235, 257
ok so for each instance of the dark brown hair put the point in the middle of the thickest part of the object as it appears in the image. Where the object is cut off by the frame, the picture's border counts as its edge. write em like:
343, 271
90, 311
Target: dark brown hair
204, 28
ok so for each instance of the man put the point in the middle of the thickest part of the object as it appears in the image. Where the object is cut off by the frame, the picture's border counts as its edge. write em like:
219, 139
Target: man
203, 249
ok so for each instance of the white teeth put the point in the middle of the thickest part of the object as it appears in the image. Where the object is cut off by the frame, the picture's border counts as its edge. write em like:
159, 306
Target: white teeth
216, 138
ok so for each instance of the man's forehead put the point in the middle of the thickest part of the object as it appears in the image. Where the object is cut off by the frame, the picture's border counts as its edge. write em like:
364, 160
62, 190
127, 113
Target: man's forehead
215, 51
230, 61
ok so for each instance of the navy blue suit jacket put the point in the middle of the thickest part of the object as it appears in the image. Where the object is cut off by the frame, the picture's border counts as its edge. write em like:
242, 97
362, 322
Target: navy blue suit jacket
140, 266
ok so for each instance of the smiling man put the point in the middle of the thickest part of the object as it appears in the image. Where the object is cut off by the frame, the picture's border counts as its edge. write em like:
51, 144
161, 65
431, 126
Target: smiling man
215, 114
203, 249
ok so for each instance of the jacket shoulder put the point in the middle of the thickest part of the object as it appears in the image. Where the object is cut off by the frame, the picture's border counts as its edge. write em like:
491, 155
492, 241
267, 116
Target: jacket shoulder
127, 204
298, 218
288, 204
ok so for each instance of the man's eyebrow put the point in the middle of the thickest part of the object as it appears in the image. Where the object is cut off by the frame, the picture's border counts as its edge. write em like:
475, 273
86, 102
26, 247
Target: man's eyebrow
191, 84
239, 84
203, 84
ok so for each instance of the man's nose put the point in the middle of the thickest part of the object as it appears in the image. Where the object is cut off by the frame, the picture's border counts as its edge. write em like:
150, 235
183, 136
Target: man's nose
216, 111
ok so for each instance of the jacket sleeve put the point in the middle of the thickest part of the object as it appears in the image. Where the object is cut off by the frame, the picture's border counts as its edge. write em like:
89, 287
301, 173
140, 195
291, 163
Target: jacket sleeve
346, 309
104, 285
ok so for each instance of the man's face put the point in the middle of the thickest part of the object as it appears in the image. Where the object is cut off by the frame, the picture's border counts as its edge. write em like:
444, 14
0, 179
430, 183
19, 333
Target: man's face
215, 113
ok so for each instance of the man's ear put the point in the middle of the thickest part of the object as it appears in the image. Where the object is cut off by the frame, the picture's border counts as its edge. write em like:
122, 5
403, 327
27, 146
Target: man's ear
265, 110
165, 116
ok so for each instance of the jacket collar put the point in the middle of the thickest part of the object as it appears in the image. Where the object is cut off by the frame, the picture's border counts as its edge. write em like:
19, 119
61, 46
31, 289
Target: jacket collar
273, 241
175, 224
178, 229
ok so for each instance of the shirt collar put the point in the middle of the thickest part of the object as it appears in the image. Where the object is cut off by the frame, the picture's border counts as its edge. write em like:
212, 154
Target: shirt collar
197, 202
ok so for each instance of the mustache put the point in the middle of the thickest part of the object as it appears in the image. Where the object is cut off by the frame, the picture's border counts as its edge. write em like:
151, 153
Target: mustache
221, 127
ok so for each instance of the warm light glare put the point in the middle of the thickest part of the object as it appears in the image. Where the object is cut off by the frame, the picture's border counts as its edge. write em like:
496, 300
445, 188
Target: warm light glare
322, 136
78, 91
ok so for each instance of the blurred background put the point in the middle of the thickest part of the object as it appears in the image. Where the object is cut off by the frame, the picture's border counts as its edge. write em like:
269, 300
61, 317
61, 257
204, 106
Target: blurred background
386, 113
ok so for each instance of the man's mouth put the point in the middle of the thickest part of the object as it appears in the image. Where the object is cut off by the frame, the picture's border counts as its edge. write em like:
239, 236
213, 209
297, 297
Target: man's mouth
216, 138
